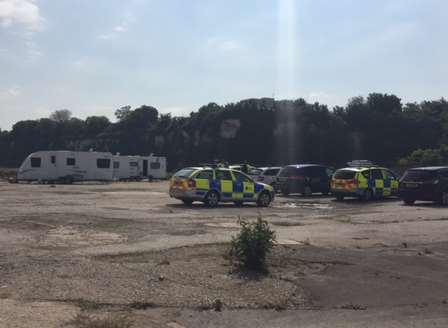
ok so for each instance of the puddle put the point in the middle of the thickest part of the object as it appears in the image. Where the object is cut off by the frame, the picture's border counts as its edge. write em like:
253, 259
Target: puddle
134, 192
69, 236
308, 205
224, 225
288, 242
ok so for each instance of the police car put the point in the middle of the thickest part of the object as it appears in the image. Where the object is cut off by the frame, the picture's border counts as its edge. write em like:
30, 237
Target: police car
214, 185
364, 181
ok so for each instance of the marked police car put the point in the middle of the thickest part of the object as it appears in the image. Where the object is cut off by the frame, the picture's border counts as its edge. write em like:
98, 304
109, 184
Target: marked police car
214, 185
364, 182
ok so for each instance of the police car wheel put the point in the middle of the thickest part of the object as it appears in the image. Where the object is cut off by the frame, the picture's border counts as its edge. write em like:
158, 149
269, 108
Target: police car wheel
307, 191
212, 199
444, 198
264, 199
409, 201
367, 195
340, 197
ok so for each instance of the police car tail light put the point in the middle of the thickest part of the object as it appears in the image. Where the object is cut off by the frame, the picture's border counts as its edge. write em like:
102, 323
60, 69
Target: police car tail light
353, 183
191, 183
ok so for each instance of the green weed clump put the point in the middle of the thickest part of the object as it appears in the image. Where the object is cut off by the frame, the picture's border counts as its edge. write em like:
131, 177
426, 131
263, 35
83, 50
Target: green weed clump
251, 246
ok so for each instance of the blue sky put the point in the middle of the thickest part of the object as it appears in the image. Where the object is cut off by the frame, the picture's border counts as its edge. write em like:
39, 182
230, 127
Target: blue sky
95, 56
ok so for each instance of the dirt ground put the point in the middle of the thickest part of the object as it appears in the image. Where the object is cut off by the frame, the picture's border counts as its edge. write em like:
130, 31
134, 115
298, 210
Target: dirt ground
127, 249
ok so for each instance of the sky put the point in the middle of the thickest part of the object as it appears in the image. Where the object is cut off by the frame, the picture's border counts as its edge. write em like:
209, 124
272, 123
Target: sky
93, 57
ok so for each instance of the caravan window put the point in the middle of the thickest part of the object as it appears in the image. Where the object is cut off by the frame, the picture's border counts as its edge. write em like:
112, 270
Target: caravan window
71, 161
155, 165
53, 159
103, 163
133, 163
35, 161
116, 165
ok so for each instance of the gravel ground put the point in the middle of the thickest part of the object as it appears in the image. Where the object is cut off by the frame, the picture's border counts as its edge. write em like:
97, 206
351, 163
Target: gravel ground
103, 249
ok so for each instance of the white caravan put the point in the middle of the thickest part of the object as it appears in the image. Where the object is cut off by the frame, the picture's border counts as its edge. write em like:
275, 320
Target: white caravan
139, 167
156, 166
71, 166
66, 166
126, 168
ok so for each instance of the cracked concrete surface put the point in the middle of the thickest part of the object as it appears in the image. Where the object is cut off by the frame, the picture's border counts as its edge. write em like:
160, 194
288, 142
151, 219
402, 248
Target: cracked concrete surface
102, 249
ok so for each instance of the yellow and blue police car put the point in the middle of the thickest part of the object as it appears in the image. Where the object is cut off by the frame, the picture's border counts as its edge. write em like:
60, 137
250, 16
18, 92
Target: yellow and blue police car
365, 183
214, 185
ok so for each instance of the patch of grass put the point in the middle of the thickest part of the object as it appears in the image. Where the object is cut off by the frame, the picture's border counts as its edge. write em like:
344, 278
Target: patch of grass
112, 321
287, 224
142, 305
209, 304
86, 305
355, 307
6, 173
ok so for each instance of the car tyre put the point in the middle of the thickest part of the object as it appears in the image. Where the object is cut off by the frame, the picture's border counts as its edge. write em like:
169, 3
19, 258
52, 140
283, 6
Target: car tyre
444, 198
307, 191
264, 199
368, 195
409, 202
212, 199
339, 198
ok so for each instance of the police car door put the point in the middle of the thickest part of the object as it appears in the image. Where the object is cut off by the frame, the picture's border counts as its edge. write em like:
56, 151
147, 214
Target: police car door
243, 187
225, 180
204, 180
390, 183
378, 182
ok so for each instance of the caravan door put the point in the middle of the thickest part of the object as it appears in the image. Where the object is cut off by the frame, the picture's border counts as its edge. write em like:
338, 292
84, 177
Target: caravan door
133, 167
145, 168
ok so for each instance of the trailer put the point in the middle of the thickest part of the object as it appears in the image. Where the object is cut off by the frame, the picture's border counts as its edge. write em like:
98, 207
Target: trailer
72, 166
66, 166
139, 167
153, 167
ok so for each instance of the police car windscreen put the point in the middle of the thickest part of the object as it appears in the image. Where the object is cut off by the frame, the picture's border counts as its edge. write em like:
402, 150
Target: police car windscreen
255, 172
184, 173
345, 174
419, 175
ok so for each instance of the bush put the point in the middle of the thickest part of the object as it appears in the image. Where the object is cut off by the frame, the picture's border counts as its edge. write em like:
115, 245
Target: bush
254, 241
425, 157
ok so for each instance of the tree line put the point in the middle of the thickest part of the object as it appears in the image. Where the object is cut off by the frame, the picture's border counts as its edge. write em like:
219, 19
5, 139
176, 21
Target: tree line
258, 131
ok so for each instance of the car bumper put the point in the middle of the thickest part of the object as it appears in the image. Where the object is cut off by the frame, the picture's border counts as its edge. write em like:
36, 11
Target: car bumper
291, 187
346, 192
418, 194
185, 194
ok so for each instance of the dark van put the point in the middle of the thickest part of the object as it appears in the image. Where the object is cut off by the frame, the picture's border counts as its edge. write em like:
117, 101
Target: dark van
425, 183
305, 179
